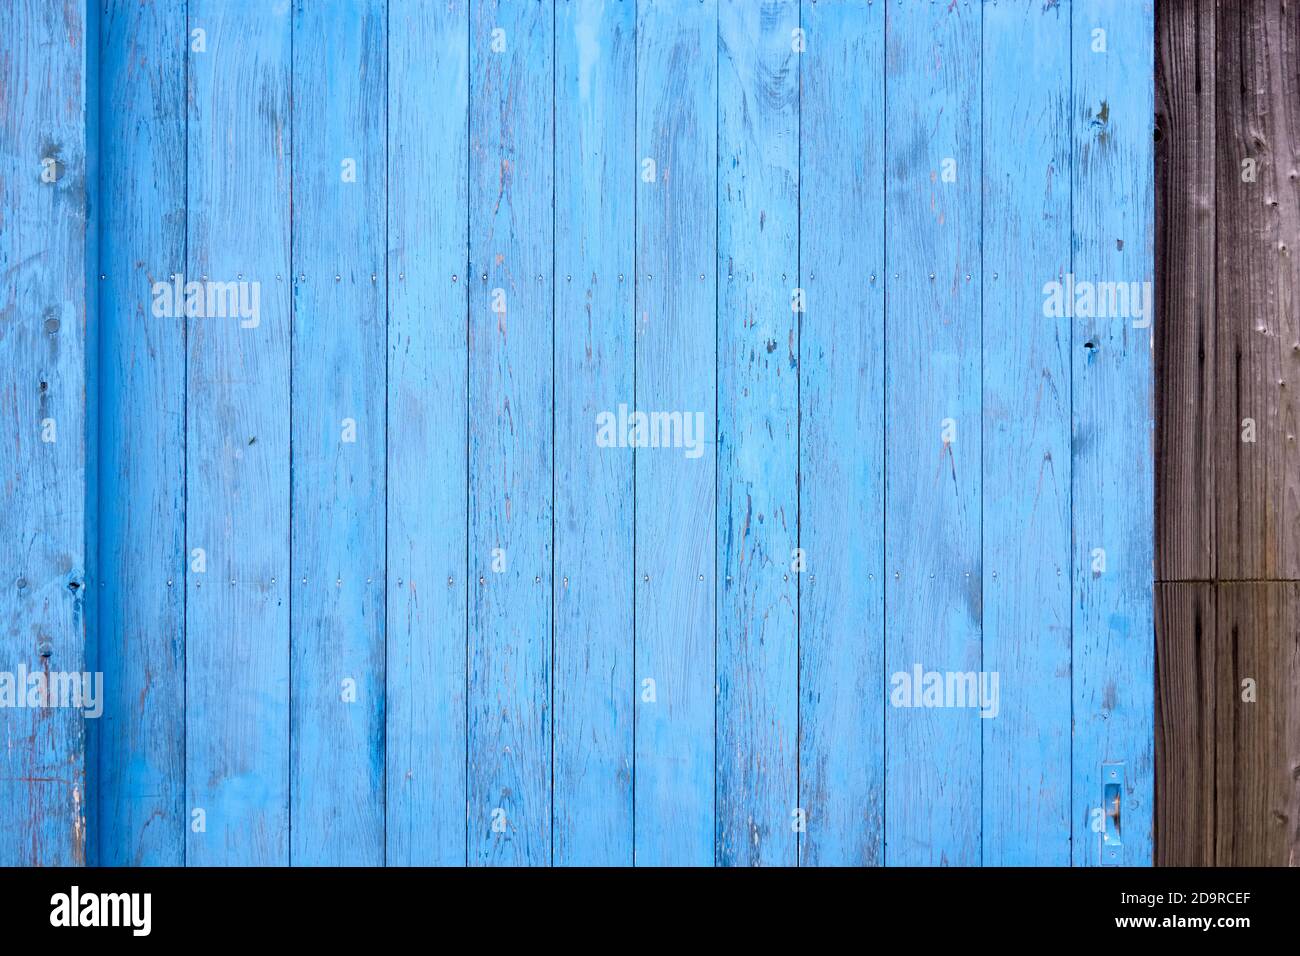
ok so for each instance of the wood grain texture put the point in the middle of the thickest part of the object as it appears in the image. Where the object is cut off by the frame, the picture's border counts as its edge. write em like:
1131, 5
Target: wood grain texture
932, 424
758, 432
1258, 293
1228, 76
1186, 731
595, 188
1113, 232
1026, 435
1257, 773
841, 435
440, 619
339, 431
237, 594
676, 352
511, 401
43, 350
140, 759
1228, 724
1188, 418
428, 583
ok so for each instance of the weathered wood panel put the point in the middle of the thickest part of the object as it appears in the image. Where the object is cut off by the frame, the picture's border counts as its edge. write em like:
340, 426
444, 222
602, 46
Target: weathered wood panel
1185, 728
595, 358
1228, 75
141, 421
1257, 200
1187, 416
759, 52
1112, 113
428, 219
454, 602
237, 595
339, 431
1228, 724
841, 435
676, 351
1026, 437
43, 351
511, 401
932, 426
1257, 725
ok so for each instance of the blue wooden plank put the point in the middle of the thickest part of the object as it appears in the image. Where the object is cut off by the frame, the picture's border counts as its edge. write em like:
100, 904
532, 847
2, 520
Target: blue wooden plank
43, 329
94, 584
676, 349
237, 449
339, 432
140, 779
576, 712
427, 290
595, 182
1112, 114
758, 431
511, 396
932, 562
841, 391
1026, 739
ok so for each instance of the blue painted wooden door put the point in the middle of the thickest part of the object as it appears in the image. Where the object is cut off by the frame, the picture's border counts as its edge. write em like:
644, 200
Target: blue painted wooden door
677, 432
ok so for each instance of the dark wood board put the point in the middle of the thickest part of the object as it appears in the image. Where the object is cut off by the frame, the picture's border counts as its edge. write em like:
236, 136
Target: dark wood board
1228, 439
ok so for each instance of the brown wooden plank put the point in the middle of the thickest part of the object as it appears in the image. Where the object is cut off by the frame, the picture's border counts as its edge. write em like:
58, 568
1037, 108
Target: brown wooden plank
1258, 307
1185, 724
1185, 284
1258, 760
1228, 771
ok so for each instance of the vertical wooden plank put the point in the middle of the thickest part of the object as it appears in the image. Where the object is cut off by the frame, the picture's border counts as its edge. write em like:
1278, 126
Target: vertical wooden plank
758, 431
842, 428
1187, 422
1026, 434
1187, 425
237, 449
43, 329
1228, 72
1186, 739
339, 430
1257, 724
511, 396
595, 182
932, 484
1258, 212
428, 179
676, 349
93, 582
1113, 187
140, 779
1258, 327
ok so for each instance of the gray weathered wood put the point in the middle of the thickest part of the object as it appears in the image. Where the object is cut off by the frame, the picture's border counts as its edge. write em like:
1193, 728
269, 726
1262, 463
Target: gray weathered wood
1185, 285
1257, 773
1258, 334
1185, 728
1228, 509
